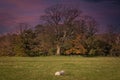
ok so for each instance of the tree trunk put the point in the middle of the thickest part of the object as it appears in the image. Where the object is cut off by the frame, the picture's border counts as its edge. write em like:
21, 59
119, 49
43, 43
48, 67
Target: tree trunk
58, 50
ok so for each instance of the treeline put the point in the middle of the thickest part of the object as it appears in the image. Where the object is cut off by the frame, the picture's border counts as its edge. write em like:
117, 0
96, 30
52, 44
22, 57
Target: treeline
64, 31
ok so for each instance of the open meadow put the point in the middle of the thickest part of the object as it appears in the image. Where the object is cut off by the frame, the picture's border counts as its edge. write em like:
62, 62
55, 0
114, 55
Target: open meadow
44, 68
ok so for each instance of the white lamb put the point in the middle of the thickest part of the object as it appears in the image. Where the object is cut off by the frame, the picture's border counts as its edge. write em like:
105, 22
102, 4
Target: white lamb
58, 73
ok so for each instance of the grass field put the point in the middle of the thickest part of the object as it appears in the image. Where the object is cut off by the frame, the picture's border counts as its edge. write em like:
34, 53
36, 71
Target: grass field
43, 68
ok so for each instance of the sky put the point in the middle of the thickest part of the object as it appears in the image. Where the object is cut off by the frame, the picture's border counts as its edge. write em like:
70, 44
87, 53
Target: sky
13, 12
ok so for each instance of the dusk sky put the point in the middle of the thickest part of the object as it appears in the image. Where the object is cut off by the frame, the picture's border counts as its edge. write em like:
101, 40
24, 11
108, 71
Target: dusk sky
13, 12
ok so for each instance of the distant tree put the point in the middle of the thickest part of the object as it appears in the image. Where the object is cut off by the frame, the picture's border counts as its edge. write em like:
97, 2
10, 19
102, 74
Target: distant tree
27, 39
44, 39
113, 38
103, 48
6, 45
17, 45
60, 20
87, 28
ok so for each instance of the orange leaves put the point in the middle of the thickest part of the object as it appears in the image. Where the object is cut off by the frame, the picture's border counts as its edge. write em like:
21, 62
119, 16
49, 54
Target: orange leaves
77, 47
73, 50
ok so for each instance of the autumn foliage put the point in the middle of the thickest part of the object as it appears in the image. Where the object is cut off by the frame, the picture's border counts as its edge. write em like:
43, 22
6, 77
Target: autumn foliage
77, 47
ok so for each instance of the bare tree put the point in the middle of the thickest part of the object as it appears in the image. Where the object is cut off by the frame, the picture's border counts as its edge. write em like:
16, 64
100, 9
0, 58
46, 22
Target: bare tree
60, 19
22, 27
86, 27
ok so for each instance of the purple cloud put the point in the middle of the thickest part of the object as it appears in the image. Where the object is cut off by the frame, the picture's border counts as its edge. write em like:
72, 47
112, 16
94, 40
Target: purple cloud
13, 12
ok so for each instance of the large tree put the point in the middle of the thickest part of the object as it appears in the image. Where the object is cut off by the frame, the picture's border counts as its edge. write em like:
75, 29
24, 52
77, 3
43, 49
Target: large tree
60, 19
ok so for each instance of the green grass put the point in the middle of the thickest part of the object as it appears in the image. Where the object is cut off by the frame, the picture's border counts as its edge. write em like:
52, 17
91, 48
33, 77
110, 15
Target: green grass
43, 68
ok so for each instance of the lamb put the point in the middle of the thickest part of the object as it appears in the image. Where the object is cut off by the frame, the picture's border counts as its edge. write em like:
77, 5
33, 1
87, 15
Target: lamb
58, 73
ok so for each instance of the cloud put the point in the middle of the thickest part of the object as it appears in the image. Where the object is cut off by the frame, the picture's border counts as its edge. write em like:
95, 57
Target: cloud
104, 11
6, 21
17, 11
13, 12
